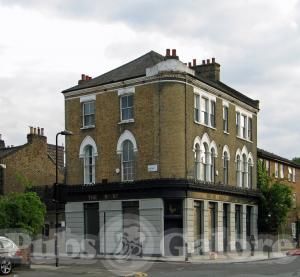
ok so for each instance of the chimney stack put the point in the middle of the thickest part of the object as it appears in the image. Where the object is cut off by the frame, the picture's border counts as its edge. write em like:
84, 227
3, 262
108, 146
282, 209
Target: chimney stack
2, 142
84, 78
208, 69
194, 62
35, 133
171, 54
168, 52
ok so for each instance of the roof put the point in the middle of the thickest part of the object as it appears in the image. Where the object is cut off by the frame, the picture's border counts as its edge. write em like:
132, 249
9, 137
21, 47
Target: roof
133, 69
137, 68
268, 155
4, 152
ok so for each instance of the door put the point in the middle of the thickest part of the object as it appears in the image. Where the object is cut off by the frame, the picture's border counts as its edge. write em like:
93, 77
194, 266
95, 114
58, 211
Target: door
91, 227
131, 228
225, 227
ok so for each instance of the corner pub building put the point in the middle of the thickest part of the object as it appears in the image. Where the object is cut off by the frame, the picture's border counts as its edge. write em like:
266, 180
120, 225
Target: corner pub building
165, 145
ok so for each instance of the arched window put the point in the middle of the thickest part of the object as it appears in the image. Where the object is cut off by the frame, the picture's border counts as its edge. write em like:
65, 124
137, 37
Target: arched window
245, 171
89, 165
206, 163
225, 168
127, 161
238, 170
250, 173
197, 161
213, 165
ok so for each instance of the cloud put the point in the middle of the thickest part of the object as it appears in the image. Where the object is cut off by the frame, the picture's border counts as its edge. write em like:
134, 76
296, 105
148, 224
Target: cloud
47, 44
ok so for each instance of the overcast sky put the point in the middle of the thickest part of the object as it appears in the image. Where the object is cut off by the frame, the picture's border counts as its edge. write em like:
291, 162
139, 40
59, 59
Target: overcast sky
46, 45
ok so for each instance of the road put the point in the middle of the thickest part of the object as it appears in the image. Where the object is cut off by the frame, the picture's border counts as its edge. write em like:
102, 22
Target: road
283, 267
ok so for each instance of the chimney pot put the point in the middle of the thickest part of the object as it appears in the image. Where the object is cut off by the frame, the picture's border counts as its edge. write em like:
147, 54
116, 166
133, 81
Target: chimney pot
190, 64
203, 61
174, 52
168, 52
39, 131
208, 61
34, 131
42, 131
83, 77
213, 60
194, 62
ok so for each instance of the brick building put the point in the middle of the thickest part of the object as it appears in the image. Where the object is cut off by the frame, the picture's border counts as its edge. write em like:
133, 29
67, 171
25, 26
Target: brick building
169, 144
289, 173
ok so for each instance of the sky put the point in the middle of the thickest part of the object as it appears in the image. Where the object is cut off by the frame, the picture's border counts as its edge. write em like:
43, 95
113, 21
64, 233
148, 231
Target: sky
46, 45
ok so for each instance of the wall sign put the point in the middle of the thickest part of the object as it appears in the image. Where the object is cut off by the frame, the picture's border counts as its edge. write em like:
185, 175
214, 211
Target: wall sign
152, 168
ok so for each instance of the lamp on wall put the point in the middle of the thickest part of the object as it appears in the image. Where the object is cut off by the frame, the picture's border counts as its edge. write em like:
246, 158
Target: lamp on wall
63, 133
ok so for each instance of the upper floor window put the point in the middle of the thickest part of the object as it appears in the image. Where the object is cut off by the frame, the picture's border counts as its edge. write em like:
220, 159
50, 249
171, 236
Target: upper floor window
276, 170
225, 119
290, 174
245, 171
238, 170
197, 161
197, 107
126, 107
244, 126
204, 110
294, 175
213, 165
213, 113
267, 165
89, 114
88, 153
250, 137
89, 165
238, 124
281, 171
250, 173
127, 161
225, 168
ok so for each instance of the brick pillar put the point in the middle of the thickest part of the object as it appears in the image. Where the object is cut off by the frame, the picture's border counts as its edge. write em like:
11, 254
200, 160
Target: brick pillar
205, 227
219, 225
232, 235
188, 224
254, 215
244, 227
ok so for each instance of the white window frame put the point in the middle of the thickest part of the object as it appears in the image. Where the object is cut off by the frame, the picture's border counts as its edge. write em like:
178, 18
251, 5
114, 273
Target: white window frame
242, 124
276, 170
84, 104
132, 162
128, 107
290, 174
281, 171
197, 108
210, 98
89, 166
212, 113
225, 119
294, 174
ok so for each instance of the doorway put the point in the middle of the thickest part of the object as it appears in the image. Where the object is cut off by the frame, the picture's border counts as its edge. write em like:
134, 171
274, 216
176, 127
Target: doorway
91, 227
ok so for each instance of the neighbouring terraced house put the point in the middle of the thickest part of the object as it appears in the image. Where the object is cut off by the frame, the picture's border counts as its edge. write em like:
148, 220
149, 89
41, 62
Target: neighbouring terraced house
168, 146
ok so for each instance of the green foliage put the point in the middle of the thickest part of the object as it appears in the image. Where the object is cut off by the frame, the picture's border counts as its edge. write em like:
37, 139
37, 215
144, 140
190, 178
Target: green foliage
22, 210
296, 160
275, 203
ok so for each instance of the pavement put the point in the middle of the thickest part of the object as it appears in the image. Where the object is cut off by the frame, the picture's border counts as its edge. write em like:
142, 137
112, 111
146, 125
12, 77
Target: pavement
259, 265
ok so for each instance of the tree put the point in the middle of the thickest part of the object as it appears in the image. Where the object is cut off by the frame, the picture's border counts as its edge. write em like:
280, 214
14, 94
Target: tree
275, 203
22, 210
296, 160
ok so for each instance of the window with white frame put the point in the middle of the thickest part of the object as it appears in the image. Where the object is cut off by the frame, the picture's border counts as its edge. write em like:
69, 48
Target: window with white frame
197, 161
294, 175
238, 170
126, 104
250, 127
267, 164
197, 107
225, 119
206, 163
244, 126
290, 174
88, 114
204, 110
281, 171
225, 168
276, 170
244, 171
212, 113
89, 165
250, 173
213, 165
238, 124
128, 169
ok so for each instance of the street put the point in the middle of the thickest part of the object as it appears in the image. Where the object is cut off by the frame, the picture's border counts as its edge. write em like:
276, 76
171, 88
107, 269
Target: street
283, 267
